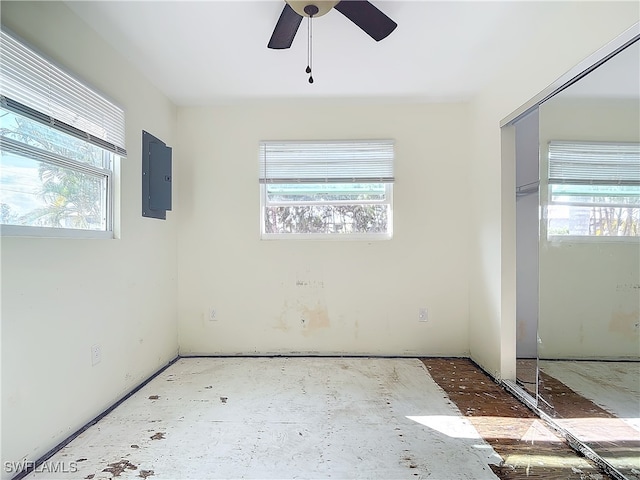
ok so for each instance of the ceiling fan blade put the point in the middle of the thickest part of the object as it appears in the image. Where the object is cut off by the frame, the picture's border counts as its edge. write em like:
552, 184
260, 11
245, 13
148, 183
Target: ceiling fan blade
286, 28
365, 15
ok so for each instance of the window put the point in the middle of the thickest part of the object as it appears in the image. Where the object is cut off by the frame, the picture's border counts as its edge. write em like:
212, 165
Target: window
594, 189
59, 144
339, 189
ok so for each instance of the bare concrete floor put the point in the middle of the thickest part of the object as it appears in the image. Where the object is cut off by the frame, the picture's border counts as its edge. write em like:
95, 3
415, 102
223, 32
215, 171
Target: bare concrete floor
277, 418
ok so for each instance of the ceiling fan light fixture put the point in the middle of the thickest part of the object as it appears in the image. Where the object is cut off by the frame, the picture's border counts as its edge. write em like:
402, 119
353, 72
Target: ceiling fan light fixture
322, 7
311, 10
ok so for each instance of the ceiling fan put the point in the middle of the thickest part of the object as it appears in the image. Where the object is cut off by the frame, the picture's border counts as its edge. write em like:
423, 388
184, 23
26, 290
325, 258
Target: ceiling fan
363, 13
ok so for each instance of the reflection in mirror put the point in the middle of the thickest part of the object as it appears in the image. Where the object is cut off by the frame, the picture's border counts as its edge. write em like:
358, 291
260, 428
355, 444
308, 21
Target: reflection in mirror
589, 260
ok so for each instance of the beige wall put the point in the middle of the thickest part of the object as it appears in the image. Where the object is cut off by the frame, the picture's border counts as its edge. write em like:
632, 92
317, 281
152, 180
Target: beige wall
355, 297
61, 296
572, 31
589, 288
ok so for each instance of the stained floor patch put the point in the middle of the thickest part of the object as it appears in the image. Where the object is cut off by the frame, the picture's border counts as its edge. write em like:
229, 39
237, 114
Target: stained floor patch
117, 468
529, 448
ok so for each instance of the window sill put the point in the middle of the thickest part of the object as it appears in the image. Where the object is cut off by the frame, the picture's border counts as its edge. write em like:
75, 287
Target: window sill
46, 232
350, 237
591, 239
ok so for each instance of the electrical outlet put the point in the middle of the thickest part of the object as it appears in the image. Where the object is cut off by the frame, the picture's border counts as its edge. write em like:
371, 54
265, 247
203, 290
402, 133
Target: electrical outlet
212, 314
96, 354
423, 315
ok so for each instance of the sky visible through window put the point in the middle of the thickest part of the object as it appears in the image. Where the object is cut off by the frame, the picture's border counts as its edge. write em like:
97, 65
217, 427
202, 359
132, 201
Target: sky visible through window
19, 183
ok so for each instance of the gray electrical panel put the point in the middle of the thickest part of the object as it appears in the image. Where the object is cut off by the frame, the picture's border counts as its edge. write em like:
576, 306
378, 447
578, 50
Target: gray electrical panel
156, 177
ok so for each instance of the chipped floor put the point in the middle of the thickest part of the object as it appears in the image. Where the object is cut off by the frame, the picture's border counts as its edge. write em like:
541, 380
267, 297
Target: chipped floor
274, 418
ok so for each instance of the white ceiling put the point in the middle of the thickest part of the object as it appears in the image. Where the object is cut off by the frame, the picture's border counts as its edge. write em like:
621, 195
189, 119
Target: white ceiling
212, 52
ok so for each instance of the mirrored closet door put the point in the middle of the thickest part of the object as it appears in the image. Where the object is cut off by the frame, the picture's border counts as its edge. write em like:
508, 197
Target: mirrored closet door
589, 260
578, 255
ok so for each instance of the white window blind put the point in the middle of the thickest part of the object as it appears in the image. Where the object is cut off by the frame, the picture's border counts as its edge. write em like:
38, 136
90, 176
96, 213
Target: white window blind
365, 161
33, 86
594, 163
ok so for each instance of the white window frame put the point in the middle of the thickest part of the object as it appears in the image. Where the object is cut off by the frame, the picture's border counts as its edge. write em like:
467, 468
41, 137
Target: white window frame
35, 88
388, 201
107, 174
620, 171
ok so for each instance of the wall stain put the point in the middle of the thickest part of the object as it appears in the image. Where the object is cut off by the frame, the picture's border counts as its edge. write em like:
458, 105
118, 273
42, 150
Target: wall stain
626, 323
313, 319
310, 318
282, 324
281, 321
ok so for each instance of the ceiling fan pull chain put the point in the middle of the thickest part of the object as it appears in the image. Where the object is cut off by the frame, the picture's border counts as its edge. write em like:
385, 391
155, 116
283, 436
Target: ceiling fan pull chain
310, 47
308, 70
